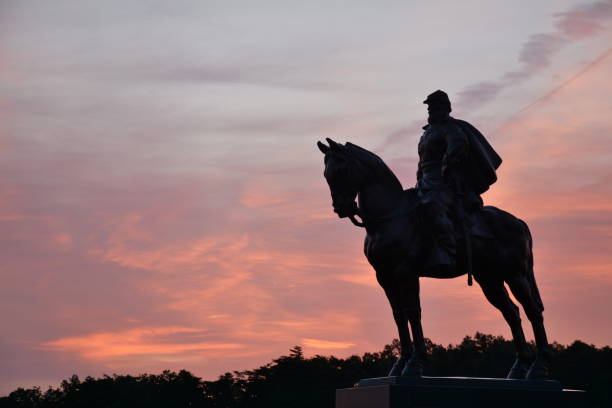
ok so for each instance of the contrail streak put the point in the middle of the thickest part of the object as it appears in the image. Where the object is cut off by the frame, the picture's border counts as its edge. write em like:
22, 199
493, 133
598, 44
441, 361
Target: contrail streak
562, 85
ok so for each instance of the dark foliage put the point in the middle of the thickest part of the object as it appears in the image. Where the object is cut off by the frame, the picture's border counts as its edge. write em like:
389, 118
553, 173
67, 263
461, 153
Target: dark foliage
294, 381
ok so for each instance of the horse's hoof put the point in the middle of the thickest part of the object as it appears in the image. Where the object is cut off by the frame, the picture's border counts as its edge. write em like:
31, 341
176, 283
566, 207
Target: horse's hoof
518, 371
412, 372
538, 371
398, 367
413, 368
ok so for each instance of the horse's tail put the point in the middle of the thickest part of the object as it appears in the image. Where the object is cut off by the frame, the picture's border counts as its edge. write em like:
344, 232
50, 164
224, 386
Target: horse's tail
535, 292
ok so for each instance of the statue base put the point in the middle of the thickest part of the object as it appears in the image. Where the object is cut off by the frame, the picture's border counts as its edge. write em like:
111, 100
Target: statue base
442, 392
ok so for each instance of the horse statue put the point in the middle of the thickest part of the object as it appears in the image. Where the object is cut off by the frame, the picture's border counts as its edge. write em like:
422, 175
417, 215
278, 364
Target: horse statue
396, 245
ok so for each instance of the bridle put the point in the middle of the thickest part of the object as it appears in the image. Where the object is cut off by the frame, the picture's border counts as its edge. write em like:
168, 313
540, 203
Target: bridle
369, 220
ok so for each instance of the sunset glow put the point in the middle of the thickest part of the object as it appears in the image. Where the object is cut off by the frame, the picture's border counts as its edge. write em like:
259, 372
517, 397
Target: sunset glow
162, 200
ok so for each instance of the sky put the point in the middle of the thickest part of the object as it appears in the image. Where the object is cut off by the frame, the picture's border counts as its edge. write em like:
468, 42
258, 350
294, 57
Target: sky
161, 194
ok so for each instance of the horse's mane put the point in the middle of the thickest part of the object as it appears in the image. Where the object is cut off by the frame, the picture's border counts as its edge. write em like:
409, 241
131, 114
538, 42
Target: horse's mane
375, 164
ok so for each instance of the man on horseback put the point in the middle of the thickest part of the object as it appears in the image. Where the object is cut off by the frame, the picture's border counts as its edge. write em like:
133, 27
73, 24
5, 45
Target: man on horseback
456, 165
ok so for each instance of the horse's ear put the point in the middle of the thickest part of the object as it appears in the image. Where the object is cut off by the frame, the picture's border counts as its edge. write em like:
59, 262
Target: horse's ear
333, 145
323, 148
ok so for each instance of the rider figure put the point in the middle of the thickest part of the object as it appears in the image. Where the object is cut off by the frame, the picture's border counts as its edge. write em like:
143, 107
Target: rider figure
456, 165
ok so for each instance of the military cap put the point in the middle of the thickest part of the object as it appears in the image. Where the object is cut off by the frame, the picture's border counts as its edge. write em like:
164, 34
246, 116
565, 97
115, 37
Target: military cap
438, 98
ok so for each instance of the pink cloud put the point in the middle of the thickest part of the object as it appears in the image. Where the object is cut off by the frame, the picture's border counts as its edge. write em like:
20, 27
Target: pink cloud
141, 341
326, 344
585, 20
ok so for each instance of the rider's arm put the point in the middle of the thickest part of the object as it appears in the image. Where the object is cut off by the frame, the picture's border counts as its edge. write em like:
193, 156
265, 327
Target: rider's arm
456, 147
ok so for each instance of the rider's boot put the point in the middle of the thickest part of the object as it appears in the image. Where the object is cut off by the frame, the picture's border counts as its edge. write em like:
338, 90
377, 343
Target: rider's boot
445, 257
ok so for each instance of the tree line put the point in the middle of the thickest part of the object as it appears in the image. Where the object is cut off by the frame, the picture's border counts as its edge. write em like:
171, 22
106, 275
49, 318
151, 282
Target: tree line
295, 381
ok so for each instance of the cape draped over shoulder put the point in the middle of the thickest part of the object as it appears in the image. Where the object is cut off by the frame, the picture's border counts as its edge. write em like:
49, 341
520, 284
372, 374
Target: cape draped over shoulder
482, 160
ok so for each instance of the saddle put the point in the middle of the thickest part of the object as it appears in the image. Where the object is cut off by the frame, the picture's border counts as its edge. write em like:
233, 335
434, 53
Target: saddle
473, 224
476, 225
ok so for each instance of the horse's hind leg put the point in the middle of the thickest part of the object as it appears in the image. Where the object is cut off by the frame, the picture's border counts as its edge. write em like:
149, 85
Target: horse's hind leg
521, 290
497, 295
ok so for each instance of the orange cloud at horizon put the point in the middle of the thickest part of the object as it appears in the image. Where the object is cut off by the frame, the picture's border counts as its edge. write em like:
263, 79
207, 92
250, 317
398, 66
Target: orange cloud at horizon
326, 344
141, 341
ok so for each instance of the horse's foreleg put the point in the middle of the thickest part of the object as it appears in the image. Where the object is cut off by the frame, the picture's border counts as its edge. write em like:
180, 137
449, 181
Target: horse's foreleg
414, 366
521, 290
412, 310
497, 295
393, 290
404, 337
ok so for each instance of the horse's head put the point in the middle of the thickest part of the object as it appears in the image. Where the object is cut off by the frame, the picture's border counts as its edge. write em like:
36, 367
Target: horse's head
344, 175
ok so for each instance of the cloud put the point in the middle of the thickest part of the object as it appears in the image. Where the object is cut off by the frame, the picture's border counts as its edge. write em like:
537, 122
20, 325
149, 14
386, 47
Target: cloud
140, 341
536, 54
584, 20
326, 344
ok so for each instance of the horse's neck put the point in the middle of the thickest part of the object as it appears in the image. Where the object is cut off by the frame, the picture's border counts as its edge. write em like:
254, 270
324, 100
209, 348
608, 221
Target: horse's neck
377, 199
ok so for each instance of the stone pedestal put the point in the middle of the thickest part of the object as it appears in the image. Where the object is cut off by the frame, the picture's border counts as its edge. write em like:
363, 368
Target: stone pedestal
443, 392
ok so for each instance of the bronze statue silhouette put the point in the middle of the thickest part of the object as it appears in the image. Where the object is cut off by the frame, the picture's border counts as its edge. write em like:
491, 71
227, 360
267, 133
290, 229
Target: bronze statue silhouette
440, 229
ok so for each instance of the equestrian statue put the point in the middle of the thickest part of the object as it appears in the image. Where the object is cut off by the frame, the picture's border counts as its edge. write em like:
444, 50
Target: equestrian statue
440, 229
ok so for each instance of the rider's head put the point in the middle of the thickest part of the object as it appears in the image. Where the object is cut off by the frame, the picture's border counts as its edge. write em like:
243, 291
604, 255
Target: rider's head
438, 106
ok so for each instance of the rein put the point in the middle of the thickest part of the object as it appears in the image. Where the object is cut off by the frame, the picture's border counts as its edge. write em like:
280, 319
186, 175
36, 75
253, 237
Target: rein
367, 220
